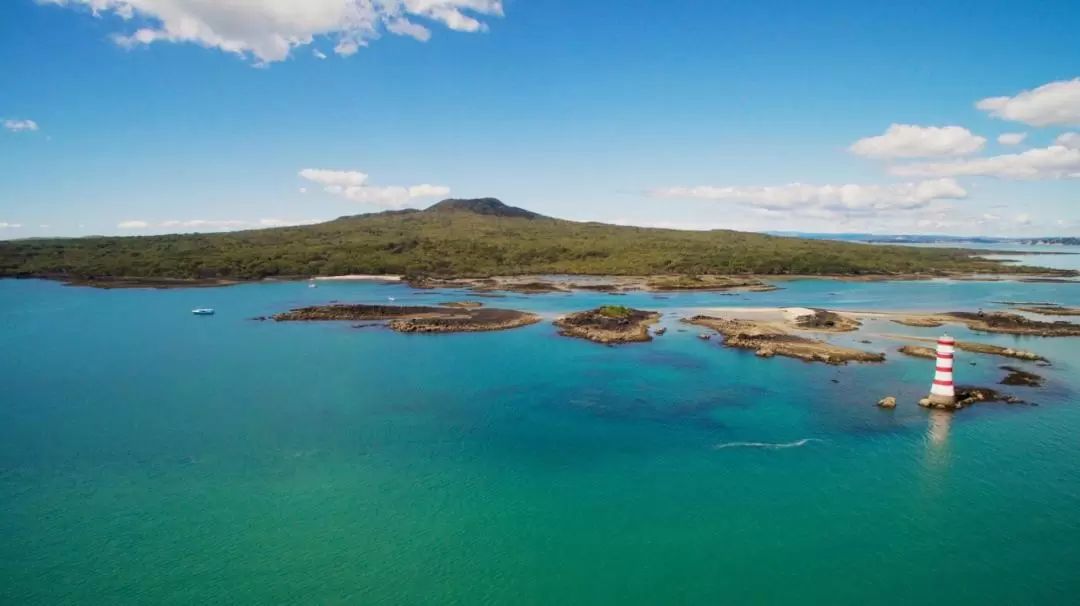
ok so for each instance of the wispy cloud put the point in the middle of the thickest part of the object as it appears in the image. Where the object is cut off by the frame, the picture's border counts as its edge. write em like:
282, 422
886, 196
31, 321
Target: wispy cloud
826, 201
1053, 104
910, 141
352, 185
269, 30
1044, 163
215, 224
21, 126
5, 225
1011, 138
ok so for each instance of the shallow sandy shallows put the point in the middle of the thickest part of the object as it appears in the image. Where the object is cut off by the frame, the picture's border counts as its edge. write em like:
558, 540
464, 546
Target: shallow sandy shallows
782, 317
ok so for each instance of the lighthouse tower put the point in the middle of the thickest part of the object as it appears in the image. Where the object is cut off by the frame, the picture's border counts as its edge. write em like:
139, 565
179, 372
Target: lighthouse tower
942, 392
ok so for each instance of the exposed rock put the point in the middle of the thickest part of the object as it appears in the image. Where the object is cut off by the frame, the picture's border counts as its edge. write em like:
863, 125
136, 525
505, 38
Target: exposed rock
415, 319
823, 319
974, 347
609, 324
917, 351
707, 283
767, 340
1020, 377
532, 288
660, 331
887, 402
1015, 324
259, 319
920, 322
462, 304
967, 396
1051, 310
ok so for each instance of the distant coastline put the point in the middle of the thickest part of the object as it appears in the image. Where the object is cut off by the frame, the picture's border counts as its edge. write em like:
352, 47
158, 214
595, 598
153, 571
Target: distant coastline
541, 284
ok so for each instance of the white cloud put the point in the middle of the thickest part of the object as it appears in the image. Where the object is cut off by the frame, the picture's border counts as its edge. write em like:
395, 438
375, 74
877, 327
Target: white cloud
303, 190
1054, 162
4, 225
44, 226
351, 185
286, 222
1053, 104
910, 141
343, 178
1070, 140
428, 191
1022, 219
825, 201
204, 223
318, 53
21, 126
1012, 138
270, 29
133, 225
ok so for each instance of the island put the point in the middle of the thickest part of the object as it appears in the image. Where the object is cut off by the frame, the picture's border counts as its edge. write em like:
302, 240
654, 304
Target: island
1050, 310
609, 324
968, 395
414, 319
478, 239
462, 304
768, 339
1021, 377
969, 346
993, 321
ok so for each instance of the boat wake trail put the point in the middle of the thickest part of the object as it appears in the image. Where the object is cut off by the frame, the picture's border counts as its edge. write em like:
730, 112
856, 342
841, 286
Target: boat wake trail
766, 445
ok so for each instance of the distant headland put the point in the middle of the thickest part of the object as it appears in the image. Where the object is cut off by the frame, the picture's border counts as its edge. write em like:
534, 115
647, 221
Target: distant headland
479, 238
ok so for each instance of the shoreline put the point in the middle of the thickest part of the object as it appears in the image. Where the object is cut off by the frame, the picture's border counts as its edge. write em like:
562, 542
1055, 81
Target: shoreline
613, 284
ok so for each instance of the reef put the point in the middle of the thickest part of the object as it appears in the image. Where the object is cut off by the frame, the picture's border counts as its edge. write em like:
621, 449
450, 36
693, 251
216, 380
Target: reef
414, 319
766, 340
609, 324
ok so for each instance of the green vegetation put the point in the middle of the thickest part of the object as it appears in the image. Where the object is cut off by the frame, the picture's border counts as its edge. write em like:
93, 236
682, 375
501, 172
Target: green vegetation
466, 239
615, 311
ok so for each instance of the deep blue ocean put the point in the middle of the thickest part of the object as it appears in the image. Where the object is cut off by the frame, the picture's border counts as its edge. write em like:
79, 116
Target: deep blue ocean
148, 456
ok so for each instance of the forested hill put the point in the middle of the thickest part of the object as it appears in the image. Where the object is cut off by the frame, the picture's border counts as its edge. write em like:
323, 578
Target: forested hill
466, 238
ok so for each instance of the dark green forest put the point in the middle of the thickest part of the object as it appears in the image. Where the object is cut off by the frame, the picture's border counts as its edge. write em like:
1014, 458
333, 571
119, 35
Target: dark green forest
464, 239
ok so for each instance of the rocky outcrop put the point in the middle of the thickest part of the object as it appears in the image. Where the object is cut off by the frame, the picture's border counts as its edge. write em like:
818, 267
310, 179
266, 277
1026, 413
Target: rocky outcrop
462, 304
967, 396
887, 402
415, 319
766, 340
1020, 377
920, 322
609, 324
825, 320
917, 351
1051, 310
483, 321
997, 350
707, 283
1015, 324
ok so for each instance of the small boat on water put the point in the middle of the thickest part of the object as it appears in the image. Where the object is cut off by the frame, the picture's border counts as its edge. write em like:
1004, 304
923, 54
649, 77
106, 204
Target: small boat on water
312, 284
203, 311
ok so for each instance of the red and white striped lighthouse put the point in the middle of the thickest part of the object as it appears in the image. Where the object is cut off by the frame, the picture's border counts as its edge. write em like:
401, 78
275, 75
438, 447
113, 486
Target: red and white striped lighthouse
942, 392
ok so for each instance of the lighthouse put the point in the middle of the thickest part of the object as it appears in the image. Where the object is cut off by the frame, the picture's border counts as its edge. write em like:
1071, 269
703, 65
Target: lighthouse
942, 392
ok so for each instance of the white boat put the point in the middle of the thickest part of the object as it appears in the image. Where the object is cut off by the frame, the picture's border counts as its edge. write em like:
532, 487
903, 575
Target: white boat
312, 284
203, 311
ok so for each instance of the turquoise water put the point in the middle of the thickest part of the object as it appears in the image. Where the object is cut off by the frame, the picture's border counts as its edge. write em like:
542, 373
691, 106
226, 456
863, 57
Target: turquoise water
148, 456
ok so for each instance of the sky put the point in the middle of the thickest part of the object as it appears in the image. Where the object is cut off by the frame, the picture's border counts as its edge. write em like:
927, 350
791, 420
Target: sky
158, 116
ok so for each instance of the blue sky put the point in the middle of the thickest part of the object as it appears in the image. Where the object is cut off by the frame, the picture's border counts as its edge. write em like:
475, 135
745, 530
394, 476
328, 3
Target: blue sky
152, 116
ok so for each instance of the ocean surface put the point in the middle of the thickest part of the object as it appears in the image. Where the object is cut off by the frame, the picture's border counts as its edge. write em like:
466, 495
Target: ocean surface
148, 456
